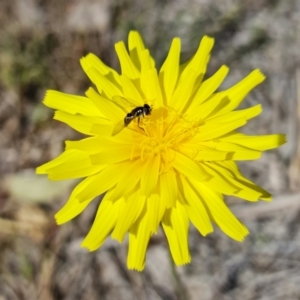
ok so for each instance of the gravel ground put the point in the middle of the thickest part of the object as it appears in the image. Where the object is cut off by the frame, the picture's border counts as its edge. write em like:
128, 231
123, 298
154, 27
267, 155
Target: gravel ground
40, 46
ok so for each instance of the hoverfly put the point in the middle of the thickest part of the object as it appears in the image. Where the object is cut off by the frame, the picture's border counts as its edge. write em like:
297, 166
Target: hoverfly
138, 112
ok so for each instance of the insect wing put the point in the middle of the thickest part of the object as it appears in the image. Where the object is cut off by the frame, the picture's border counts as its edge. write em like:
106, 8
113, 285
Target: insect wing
126, 104
118, 128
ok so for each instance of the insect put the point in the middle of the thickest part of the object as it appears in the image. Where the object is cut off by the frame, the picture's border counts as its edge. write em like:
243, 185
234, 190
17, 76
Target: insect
138, 112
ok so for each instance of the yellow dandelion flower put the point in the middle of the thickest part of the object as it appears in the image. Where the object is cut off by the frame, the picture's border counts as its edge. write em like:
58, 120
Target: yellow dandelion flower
162, 147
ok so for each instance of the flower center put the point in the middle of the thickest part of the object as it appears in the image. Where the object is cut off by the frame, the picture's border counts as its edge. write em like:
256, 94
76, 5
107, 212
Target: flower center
165, 131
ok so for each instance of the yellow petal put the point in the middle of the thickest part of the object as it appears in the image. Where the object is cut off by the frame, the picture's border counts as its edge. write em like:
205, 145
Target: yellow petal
245, 155
245, 190
101, 182
136, 46
129, 212
220, 213
129, 137
195, 209
139, 236
248, 186
212, 131
72, 164
183, 92
211, 155
262, 142
208, 108
127, 66
109, 109
237, 152
149, 81
135, 41
200, 153
91, 145
115, 154
73, 207
71, 104
188, 167
66, 155
208, 87
150, 175
168, 188
238, 92
224, 182
200, 59
168, 74
155, 209
128, 180
92, 61
153, 90
145, 60
78, 167
175, 223
246, 114
131, 92
104, 222
103, 84
85, 124
220, 183
98, 145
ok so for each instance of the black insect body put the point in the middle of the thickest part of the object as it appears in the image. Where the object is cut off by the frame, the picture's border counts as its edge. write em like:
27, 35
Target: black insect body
137, 112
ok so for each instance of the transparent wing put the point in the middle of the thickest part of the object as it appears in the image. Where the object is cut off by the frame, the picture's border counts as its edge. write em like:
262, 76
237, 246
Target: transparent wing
126, 104
118, 127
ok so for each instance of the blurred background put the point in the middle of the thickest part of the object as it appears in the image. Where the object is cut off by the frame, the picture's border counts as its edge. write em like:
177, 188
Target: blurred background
40, 47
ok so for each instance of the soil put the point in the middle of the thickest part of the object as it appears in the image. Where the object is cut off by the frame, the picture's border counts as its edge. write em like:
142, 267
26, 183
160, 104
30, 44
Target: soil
40, 47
